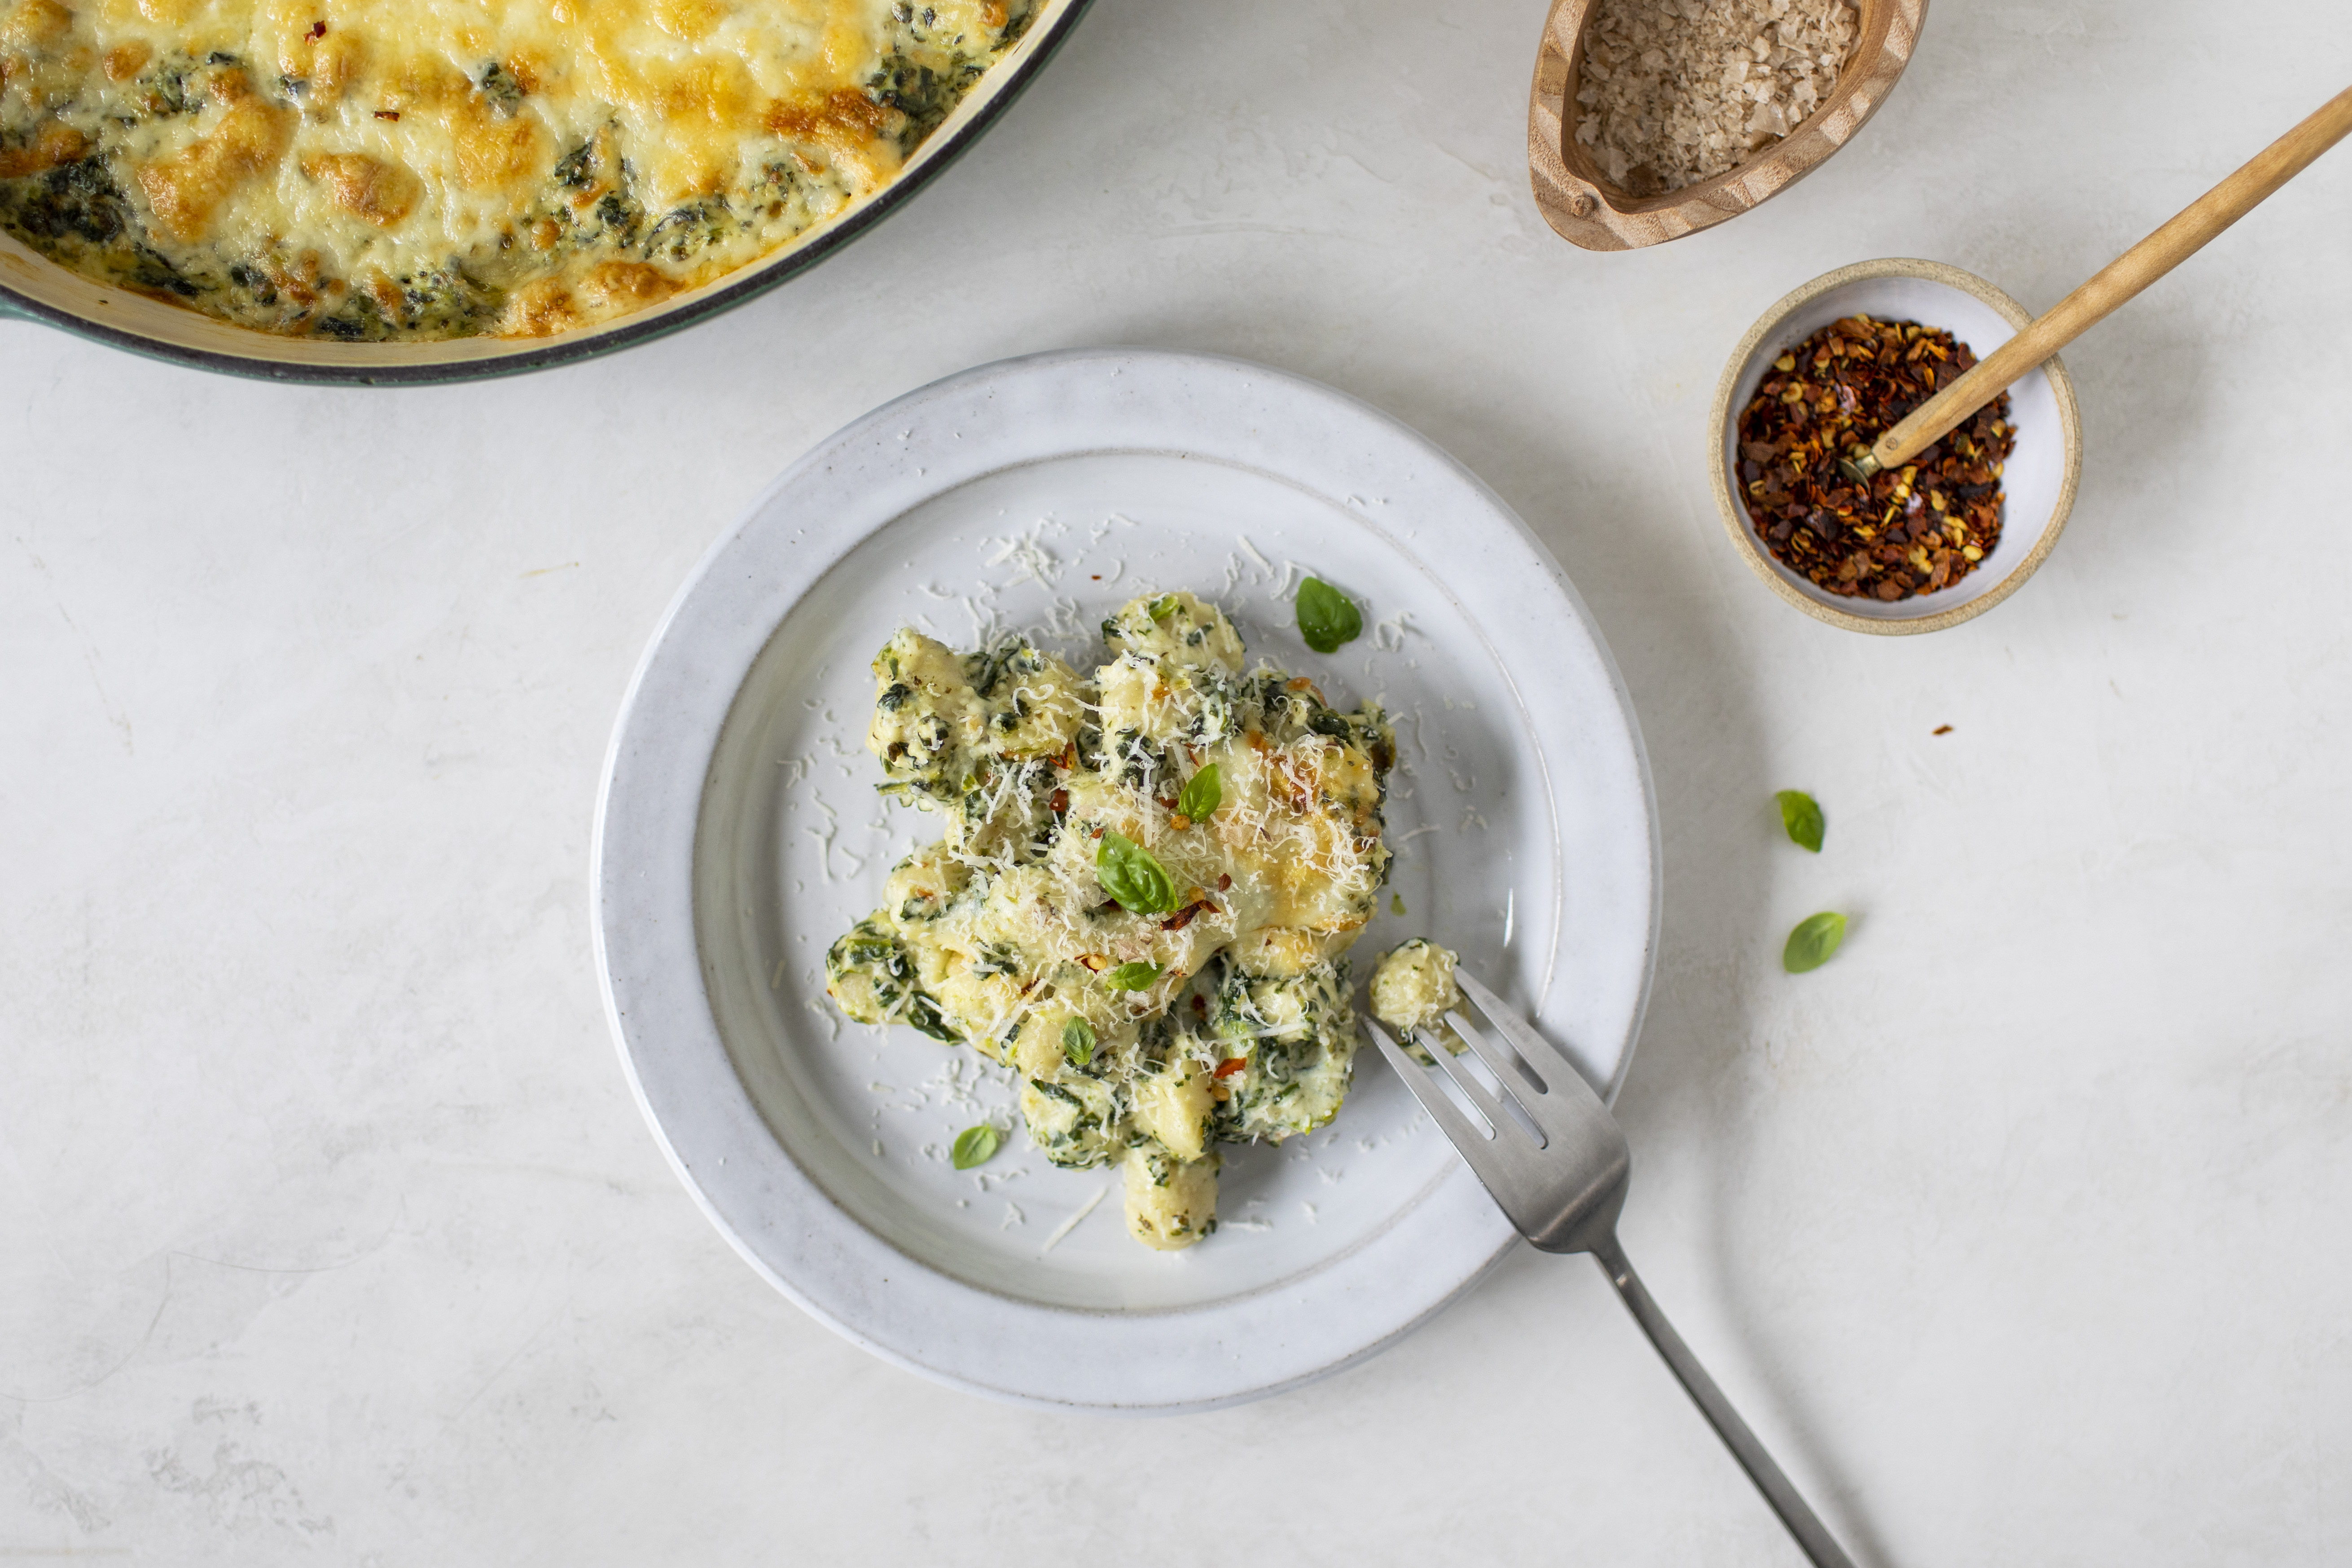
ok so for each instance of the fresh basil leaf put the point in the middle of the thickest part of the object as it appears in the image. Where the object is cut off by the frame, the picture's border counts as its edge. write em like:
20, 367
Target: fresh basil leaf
1128, 873
1811, 945
973, 1146
1160, 608
1800, 814
1202, 796
1078, 1041
1396, 903
1136, 976
1326, 617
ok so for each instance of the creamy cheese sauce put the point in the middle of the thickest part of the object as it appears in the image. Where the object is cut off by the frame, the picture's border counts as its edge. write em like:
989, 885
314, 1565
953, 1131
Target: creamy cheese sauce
369, 169
1413, 990
1162, 983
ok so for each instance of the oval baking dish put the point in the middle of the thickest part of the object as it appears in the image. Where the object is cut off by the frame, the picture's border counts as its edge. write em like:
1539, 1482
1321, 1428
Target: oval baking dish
34, 288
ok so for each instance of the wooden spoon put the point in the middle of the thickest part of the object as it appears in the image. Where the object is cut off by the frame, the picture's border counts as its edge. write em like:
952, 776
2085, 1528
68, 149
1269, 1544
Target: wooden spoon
2121, 278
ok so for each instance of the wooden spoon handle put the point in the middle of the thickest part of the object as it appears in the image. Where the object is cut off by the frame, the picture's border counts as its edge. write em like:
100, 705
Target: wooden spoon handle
2121, 278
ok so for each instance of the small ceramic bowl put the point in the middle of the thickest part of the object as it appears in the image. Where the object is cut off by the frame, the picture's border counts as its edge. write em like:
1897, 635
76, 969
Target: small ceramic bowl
2037, 481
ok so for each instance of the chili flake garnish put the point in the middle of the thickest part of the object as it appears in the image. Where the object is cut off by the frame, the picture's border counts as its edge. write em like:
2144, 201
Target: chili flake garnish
1184, 916
1909, 530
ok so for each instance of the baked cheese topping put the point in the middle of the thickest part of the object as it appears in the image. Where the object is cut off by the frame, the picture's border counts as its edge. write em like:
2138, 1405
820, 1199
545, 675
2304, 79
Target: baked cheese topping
374, 169
1162, 981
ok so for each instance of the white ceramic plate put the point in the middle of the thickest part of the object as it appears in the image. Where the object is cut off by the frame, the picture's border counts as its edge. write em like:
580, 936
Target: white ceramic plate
738, 833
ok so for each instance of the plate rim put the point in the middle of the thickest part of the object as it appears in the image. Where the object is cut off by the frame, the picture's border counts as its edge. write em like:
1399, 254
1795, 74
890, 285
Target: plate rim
634, 813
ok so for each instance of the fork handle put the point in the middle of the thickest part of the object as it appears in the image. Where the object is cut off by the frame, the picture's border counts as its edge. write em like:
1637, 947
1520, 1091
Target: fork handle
1811, 1535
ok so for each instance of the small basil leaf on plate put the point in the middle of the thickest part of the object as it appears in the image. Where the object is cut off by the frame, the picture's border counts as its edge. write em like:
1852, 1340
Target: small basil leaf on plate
1811, 945
1326, 617
1078, 1041
973, 1146
1202, 796
1136, 976
1128, 874
1800, 814
1396, 903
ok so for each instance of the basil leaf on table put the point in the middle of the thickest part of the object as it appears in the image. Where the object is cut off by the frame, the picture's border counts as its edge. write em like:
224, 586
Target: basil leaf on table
1326, 617
1078, 1041
1202, 796
973, 1146
1800, 814
1128, 874
1811, 945
1136, 976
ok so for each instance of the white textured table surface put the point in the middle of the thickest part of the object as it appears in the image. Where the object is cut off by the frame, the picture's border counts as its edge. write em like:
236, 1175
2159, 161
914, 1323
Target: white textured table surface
328, 1232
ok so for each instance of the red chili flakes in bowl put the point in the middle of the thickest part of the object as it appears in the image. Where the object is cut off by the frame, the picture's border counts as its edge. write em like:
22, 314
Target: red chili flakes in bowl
1909, 530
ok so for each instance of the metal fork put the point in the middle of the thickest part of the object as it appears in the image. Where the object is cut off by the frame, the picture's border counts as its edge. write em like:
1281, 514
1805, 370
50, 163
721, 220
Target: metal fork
1556, 1162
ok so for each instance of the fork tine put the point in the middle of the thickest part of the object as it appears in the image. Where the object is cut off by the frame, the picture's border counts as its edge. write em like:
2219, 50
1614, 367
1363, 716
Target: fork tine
1527, 1101
1450, 1121
1499, 1058
1501, 1162
1551, 1065
1476, 1093
1490, 1158
1574, 1120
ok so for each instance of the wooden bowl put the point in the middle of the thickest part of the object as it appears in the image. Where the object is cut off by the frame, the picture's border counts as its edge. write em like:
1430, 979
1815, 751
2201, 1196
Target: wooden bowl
2038, 479
1585, 209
